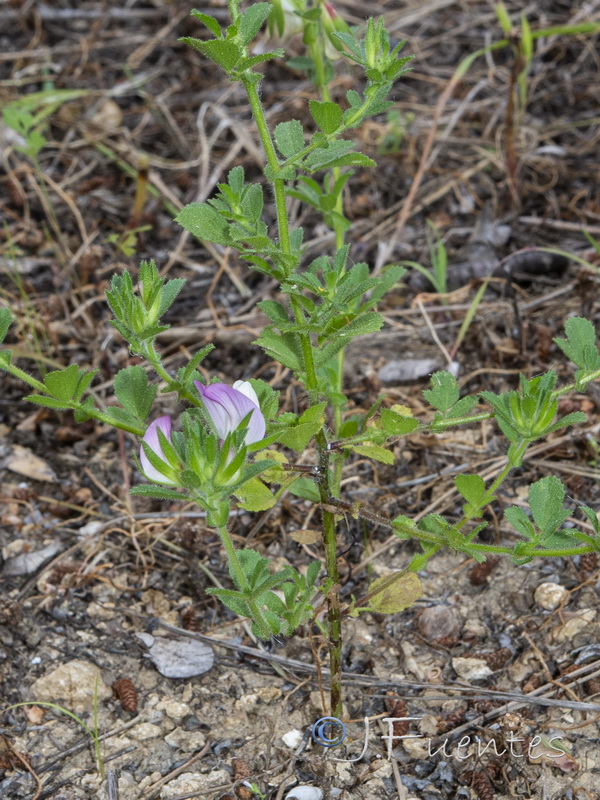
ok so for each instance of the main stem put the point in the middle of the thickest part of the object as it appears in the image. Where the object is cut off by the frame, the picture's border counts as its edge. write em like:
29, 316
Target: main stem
334, 617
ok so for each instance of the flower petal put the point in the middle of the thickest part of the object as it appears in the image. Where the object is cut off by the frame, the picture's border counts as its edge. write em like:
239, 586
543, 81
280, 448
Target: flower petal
227, 407
163, 424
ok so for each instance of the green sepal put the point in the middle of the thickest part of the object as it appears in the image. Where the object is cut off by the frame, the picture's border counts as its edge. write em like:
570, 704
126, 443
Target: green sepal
159, 492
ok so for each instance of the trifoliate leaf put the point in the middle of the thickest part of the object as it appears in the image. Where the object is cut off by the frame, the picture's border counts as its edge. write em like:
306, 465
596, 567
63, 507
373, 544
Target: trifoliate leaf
444, 391
580, 344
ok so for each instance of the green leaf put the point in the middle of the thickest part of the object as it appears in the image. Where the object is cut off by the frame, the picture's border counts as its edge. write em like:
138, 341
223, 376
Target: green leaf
520, 522
210, 22
323, 156
255, 496
275, 311
224, 53
289, 137
546, 498
205, 223
592, 517
374, 451
47, 402
397, 425
306, 489
472, 488
327, 115
252, 61
580, 344
348, 160
250, 22
63, 383
133, 392
444, 391
282, 347
159, 492
6, 319
394, 593
298, 436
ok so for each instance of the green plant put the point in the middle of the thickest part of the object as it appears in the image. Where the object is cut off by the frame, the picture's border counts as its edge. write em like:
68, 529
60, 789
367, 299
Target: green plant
92, 733
210, 456
438, 274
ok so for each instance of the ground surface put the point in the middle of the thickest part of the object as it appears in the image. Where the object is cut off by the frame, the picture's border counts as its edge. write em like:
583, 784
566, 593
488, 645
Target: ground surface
86, 568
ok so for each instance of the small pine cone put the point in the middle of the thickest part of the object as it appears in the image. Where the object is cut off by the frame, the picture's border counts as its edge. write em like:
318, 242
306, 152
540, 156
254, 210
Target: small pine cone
241, 770
397, 708
588, 562
189, 619
452, 720
126, 692
479, 783
481, 572
592, 687
485, 706
495, 660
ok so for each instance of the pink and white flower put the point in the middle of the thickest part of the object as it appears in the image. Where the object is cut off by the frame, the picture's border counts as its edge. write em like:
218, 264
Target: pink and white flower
227, 406
163, 424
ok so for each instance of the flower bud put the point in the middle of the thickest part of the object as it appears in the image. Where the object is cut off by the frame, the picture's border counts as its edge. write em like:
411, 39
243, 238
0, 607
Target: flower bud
167, 472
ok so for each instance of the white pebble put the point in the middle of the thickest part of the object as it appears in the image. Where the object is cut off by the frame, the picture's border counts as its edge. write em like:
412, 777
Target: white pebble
550, 595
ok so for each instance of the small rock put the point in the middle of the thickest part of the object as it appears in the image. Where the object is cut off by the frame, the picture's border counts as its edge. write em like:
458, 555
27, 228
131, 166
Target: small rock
408, 369
26, 563
174, 710
471, 669
186, 741
145, 731
305, 793
574, 625
191, 783
438, 622
550, 595
73, 685
292, 738
180, 657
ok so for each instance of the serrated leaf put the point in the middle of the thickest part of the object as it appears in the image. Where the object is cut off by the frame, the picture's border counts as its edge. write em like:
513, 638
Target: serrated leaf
520, 522
394, 594
275, 311
592, 517
205, 223
327, 115
255, 496
395, 424
285, 349
133, 392
546, 498
444, 392
370, 450
251, 22
289, 137
224, 53
580, 344
6, 319
62, 383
